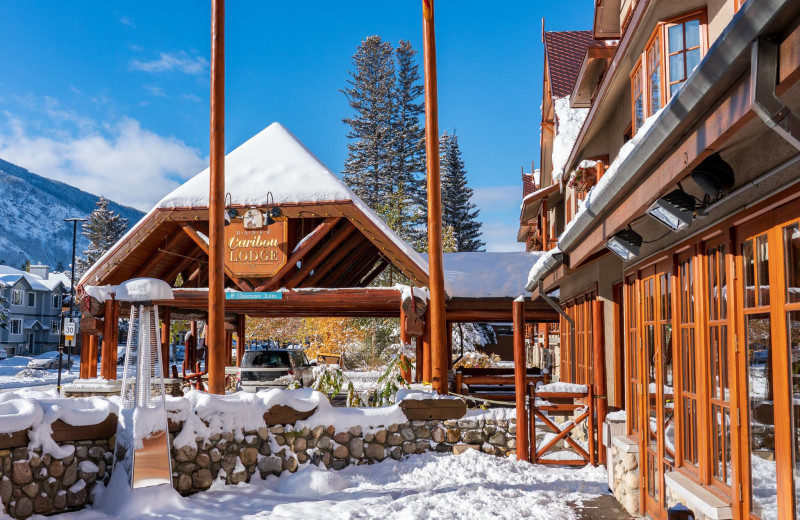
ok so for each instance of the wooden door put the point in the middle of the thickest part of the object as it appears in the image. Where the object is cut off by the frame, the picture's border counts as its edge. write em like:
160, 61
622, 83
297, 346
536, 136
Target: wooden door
659, 432
768, 362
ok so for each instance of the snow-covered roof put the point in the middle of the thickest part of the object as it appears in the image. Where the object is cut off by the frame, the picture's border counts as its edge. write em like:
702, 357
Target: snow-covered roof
31, 324
10, 276
487, 275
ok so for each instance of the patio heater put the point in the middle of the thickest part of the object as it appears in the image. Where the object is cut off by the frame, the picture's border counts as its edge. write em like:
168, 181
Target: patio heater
142, 447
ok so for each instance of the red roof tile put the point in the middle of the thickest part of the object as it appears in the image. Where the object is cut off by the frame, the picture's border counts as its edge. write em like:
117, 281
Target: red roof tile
564, 52
528, 185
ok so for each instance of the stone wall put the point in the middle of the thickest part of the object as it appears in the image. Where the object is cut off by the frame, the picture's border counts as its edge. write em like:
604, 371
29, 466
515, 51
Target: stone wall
626, 475
36, 483
33, 483
271, 450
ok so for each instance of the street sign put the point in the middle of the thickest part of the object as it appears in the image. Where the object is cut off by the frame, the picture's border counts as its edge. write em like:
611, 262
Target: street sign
69, 332
253, 295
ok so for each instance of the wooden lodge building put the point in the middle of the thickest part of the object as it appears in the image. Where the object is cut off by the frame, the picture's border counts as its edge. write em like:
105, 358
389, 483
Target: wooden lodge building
299, 243
668, 205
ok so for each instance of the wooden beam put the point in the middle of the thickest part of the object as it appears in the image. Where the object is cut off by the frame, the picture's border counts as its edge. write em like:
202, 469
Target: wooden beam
192, 232
170, 243
326, 249
307, 244
352, 261
376, 271
186, 259
332, 261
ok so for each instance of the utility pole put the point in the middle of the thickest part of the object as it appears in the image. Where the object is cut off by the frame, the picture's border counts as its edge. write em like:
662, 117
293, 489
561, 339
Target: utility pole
216, 205
435, 267
71, 301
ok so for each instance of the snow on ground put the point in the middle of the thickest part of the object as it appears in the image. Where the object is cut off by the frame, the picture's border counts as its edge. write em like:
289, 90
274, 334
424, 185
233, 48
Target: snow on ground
472, 485
14, 374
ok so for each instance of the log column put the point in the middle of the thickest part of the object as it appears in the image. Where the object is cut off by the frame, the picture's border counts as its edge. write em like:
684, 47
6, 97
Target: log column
91, 367
520, 373
405, 341
427, 369
599, 352
84, 366
240, 335
165, 328
228, 348
109, 354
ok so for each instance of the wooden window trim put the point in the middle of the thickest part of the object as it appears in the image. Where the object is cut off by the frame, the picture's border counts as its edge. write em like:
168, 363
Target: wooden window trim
641, 65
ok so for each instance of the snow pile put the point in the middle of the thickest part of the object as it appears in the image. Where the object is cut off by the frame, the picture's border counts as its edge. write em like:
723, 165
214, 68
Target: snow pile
541, 266
497, 414
311, 481
569, 122
19, 414
561, 387
343, 419
83, 411
135, 290
419, 292
611, 172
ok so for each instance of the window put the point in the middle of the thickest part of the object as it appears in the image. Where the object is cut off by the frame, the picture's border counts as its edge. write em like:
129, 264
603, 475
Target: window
674, 50
16, 327
31, 299
632, 350
688, 361
55, 327
16, 296
684, 51
56, 300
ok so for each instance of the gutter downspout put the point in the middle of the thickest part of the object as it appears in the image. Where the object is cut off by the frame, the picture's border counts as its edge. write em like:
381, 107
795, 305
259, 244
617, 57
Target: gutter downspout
571, 322
766, 103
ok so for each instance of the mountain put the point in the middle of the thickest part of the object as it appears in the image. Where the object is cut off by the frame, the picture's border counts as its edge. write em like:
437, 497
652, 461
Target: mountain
32, 210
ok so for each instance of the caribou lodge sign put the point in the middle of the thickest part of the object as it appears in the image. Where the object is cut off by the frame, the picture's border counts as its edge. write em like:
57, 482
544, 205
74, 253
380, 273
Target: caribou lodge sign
255, 253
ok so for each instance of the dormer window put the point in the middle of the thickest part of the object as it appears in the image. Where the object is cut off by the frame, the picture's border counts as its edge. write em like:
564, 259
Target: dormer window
673, 51
17, 296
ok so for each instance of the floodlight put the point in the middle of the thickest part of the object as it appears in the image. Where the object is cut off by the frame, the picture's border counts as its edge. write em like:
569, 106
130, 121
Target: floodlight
714, 176
625, 244
675, 210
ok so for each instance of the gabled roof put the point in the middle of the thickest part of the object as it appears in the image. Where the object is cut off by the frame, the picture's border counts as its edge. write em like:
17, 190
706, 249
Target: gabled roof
565, 51
275, 161
10, 276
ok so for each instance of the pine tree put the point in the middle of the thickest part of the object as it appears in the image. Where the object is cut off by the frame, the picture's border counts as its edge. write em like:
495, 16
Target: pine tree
408, 144
458, 210
367, 168
103, 229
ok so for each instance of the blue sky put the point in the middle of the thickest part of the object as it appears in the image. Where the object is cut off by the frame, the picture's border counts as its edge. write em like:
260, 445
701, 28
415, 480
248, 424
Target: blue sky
112, 97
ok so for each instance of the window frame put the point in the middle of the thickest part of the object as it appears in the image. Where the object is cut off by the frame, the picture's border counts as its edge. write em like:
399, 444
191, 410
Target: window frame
21, 294
18, 322
31, 299
642, 65
56, 300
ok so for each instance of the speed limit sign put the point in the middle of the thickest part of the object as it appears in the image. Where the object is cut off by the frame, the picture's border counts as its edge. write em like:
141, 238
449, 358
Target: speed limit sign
69, 333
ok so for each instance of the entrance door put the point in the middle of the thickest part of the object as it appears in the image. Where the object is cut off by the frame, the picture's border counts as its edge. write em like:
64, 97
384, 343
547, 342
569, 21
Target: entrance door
659, 435
769, 284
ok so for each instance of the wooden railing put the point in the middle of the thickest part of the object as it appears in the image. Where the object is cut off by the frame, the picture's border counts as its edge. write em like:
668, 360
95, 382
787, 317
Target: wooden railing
545, 404
491, 383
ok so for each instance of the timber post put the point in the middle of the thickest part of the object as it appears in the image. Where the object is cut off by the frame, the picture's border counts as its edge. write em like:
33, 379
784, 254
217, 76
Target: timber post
426, 349
215, 338
598, 348
109, 354
240, 334
91, 366
435, 322
165, 327
405, 340
520, 373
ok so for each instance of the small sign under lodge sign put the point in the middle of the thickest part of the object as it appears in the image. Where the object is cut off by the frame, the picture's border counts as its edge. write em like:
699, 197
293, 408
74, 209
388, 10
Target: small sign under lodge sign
256, 253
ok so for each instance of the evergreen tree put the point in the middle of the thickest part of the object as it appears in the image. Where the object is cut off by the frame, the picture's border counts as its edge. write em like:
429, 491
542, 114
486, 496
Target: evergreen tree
60, 267
25, 266
367, 168
458, 210
408, 143
103, 229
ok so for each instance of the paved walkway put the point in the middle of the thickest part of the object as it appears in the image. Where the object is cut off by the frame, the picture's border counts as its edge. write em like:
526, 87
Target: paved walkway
604, 507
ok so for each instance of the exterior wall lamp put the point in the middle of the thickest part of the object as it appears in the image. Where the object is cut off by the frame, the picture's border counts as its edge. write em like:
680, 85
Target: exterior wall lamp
230, 213
675, 210
625, 244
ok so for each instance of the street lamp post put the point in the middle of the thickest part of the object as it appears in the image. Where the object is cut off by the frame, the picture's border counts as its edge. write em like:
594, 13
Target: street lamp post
71, 300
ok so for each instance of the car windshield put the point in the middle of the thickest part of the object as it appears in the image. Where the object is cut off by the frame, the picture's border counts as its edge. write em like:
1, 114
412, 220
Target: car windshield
265, 358
299, 358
